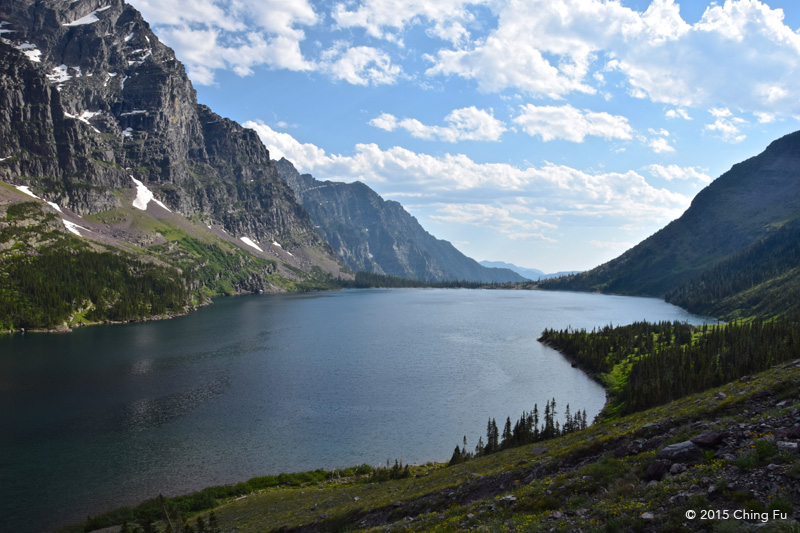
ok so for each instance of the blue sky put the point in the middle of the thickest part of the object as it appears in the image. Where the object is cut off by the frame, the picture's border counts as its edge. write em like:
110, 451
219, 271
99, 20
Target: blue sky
553, 134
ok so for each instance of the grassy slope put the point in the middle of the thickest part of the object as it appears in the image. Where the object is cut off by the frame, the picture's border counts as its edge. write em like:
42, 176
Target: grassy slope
52, 279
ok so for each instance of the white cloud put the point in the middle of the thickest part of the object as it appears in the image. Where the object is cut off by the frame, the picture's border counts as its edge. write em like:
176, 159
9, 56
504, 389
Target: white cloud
678, 113
386, 19
695, 68
359, 65
564, 190
674, 172
545, 48
765, 118
465, 124
571, 124
384, 121
512, 220
660, 145
552, 48
726, 126
210, 35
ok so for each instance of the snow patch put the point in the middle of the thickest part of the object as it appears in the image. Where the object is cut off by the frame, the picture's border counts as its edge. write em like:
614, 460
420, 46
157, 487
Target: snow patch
4, 158
249, 242
143, 196
122, 82
141, 60
109, 75
30, 50
2, 29
134, 112
91, 18
127, 132
72, 227
129, 37
26, 190
60, 74
276, 243
84, 117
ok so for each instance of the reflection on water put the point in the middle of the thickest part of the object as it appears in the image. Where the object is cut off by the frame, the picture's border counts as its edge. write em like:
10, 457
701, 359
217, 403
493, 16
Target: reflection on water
108, 416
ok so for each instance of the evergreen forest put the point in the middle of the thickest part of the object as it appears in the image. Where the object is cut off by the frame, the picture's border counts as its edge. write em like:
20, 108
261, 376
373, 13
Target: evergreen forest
646, 364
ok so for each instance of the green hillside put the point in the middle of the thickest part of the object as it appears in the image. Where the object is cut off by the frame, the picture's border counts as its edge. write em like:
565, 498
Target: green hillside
730, 254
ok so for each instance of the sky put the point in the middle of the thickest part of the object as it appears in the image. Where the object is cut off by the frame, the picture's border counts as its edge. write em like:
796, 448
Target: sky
552, 134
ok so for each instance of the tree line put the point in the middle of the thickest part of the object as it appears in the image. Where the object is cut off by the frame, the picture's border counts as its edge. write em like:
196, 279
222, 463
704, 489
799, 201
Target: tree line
371, 280
668, 360
527, 429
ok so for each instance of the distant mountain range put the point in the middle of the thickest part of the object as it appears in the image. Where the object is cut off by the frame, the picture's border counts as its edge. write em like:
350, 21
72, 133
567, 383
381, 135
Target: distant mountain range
734, 252
528, 273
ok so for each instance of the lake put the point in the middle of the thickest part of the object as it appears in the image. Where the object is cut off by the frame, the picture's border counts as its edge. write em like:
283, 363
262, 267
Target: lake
254, 385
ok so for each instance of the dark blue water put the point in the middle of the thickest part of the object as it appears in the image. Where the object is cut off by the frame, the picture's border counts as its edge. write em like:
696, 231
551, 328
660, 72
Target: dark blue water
108, 416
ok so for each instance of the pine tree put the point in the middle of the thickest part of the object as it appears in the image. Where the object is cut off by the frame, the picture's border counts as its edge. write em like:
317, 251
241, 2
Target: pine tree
506, 443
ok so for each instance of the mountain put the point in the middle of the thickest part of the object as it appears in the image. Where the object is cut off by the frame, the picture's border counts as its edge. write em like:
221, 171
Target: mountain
532, 274
732, 253
103, 140
375, 235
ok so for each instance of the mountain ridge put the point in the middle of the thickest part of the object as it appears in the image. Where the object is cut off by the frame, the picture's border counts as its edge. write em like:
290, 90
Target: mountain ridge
379, 236
743, 207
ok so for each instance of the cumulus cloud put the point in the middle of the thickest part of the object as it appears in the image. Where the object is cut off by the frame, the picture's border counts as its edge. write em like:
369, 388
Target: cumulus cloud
210, 35
678, 113
726, 126
571, 124
660, 145
359, 65
545, 48
552, 48
674, 172
515, 221
465, 124
386, 19
564, 190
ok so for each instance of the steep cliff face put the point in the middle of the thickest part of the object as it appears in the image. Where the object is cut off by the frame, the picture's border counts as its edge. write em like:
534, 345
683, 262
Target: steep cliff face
375, 235
99, 100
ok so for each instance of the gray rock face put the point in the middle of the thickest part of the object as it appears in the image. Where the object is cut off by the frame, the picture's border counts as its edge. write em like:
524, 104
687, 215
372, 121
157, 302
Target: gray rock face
91, 98
375, 235
684, 452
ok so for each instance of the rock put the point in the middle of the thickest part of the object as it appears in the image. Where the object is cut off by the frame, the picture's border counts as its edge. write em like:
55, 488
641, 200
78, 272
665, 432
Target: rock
538, 450
556, 515
647, 516
677, 468
658, 469
709, 439
788, 433
720, 396
684, 452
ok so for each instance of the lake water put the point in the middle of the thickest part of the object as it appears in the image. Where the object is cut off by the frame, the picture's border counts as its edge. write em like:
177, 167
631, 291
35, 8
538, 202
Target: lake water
254, 385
